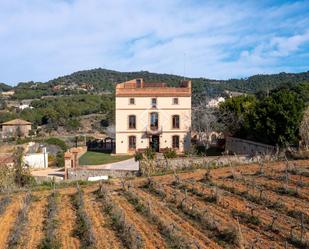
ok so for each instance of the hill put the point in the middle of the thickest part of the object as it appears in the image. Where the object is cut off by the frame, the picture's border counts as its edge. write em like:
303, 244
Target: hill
102, 80
4, 87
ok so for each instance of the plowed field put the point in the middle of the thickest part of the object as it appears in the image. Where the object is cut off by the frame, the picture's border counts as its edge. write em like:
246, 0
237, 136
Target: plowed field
232, 207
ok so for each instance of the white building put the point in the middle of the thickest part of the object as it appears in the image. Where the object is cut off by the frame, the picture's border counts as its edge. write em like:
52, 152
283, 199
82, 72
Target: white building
152, 115
36, 160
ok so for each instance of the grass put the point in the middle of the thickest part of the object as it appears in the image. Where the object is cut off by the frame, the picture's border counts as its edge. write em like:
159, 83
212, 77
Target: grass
97, 158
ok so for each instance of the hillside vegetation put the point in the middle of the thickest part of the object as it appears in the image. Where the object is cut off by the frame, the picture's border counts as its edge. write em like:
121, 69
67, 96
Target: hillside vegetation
4, 87
103, 80
63, 111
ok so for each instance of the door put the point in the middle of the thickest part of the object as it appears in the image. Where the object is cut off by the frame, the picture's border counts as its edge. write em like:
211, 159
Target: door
155, 143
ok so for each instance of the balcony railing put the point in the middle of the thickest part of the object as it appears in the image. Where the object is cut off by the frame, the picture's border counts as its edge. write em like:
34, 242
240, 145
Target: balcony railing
154, 130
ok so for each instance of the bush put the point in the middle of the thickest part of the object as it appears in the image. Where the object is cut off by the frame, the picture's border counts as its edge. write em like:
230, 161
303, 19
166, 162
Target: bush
51, 223
126, 230
4, 202
60, 159
83, 228
138, 156
20, 223
149, 154
58, 142
169, 153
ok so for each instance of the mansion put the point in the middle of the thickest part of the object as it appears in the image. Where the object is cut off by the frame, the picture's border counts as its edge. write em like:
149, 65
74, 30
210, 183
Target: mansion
152, 115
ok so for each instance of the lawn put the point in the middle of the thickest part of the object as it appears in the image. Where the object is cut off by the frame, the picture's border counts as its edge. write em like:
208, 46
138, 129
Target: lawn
96, 158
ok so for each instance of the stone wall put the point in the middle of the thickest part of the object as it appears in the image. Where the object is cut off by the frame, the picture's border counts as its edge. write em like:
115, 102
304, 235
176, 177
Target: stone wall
247, 147
162, 165
84, 174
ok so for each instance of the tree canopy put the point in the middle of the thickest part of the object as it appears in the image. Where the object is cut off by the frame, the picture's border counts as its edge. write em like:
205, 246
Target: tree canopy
271, 119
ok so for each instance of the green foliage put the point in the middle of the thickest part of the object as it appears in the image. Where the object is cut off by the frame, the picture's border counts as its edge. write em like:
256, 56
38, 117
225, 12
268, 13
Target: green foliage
103, 80
273, 119
22, 175
64, 111
138, 156
50, 240
149, 153
4, 87
97, 158
58, 142
60, 159
169, 153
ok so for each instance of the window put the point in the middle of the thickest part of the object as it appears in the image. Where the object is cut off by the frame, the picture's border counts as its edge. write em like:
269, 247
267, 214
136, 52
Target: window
132, 142
175, 142
175, 121
154, 102
132, 101
132, 122
154, 120
175, 101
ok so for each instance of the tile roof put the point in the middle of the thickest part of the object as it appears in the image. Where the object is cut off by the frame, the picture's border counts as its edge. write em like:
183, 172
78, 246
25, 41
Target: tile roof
17, 122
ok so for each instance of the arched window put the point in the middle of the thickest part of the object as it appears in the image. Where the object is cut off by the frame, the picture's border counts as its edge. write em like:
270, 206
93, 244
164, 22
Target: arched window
132, 142
132, 122
175, 122
154, 120
175, 142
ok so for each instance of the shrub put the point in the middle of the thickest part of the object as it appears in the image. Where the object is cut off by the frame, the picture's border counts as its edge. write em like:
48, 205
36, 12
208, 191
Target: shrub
170, 230
149, 154
51, 223
246, 218
126, 230
4, 202
169, 153
58, 142
138, 156
83, 229
20, 223
60, 159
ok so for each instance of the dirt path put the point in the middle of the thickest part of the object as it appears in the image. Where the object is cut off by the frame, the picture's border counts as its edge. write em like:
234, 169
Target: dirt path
7, 219
34, 232
151, 236
105, 237
67, 219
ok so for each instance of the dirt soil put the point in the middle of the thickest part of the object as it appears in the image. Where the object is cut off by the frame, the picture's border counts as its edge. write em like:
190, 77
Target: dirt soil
67, 218
34, 232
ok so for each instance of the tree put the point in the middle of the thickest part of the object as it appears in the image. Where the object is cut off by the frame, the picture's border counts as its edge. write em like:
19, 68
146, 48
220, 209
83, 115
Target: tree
276, 119
304, 129
205, 120
234, 114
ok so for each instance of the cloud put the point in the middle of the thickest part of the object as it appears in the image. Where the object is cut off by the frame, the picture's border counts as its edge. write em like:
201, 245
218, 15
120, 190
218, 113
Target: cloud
40, 40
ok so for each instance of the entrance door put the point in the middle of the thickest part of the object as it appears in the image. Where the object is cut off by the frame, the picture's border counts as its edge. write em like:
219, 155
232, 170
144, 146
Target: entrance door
154, 143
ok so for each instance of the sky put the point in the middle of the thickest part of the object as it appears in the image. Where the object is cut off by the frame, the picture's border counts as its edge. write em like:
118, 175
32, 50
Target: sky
43, 39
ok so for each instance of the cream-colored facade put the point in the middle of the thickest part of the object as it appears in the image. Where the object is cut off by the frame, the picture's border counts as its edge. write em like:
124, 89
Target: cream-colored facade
152, 115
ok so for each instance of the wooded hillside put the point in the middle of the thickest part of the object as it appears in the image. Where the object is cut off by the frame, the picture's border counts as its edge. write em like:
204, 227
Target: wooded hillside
103, 80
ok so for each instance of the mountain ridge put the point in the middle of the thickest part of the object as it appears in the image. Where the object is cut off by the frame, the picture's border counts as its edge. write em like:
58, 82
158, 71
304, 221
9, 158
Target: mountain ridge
103, 80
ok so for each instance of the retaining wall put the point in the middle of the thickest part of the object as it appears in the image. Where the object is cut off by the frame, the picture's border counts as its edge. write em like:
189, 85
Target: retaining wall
162, 165
84, 174
247, 147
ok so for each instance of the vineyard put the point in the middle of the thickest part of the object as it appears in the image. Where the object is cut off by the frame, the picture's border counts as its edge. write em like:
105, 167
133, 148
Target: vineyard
252, 206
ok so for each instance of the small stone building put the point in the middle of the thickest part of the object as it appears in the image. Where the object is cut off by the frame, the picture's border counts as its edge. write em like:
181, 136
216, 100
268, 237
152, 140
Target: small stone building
16, 128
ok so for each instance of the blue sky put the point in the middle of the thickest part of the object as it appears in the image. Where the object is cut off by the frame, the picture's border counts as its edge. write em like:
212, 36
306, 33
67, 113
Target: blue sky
43, 39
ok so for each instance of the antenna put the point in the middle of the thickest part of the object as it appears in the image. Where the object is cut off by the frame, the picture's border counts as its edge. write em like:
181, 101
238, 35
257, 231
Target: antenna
184, 66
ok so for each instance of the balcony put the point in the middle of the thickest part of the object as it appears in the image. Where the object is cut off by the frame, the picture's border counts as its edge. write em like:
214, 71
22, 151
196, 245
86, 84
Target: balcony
154, 130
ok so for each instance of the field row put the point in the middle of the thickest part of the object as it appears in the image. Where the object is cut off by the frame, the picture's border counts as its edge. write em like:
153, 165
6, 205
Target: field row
234, 207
